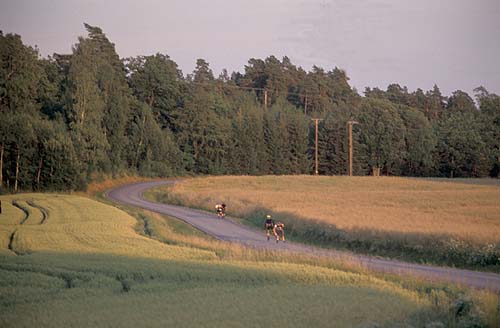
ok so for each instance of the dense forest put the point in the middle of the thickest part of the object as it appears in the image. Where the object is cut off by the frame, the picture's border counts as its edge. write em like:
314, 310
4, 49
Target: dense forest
71, 118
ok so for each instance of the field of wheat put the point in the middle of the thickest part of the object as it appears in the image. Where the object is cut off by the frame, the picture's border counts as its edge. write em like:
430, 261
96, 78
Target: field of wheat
72, 261
468, 211
87, 290
385, 214
66, 223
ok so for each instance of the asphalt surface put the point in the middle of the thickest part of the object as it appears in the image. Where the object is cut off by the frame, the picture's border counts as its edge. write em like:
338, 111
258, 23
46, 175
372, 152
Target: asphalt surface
227, 230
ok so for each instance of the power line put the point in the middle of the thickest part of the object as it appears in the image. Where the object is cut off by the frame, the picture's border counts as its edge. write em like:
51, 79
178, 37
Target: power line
303, 95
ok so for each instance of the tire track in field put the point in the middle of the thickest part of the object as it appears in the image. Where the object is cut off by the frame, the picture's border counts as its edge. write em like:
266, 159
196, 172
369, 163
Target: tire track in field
45, 214
13, 235
11, 242
26, 212
226, 230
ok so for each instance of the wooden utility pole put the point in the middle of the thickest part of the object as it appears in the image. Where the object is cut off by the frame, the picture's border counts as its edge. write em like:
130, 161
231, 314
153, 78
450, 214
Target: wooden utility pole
349, 125
265, 99
316, 120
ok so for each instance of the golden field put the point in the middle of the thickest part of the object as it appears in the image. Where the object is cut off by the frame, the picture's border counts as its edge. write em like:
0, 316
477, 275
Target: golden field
386, 204
80, 262
77, 224
438, 221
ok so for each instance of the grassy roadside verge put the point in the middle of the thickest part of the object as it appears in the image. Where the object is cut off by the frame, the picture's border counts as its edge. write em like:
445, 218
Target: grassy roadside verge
445, 301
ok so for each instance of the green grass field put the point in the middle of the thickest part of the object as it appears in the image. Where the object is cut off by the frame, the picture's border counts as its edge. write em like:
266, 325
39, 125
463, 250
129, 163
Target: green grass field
84, 263
454, 222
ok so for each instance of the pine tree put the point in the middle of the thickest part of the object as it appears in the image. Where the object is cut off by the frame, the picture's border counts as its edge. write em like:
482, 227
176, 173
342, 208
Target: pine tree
420, 143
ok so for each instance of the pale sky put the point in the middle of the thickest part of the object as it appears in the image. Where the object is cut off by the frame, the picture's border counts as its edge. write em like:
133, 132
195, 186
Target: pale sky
452, 43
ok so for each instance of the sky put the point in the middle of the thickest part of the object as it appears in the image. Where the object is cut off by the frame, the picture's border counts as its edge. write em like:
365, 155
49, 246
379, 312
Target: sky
452, 43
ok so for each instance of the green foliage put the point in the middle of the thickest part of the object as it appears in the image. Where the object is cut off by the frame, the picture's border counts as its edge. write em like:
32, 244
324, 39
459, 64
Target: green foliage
85, 109
101, 101
201, 133
333, 142
247, 153
420, 143
155, 81
58, 166
460, 102
489, 105
20, 74
142, 115
382, 134
152, 151
462, 150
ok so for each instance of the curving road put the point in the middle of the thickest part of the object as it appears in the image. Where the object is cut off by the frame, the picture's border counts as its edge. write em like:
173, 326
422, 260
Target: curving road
230, 231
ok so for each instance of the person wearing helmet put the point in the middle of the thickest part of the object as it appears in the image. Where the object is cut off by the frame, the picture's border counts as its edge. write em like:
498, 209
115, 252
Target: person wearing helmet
221, 210
279, 231
269, 224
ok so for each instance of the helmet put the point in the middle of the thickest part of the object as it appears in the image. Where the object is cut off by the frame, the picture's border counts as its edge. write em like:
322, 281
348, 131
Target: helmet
268, 216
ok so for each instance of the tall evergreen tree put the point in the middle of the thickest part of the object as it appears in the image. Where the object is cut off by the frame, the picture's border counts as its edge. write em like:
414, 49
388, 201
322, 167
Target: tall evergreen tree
246, 152
201, 132
152, 151
420, 143
436, 103
382, 132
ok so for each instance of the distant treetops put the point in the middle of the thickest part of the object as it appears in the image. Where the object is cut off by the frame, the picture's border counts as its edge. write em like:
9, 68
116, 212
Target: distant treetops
67, 119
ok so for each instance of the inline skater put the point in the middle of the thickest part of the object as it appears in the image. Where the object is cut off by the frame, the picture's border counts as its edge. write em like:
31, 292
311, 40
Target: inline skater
279, 231
221, 210
269, 224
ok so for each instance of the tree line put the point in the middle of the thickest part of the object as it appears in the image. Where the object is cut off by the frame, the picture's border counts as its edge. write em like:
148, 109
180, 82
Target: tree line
69, 118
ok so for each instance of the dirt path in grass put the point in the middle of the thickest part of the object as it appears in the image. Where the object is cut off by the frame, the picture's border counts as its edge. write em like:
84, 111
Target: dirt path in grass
226, 230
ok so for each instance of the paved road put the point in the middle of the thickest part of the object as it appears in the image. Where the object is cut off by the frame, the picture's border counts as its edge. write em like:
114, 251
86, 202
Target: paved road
226, 230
